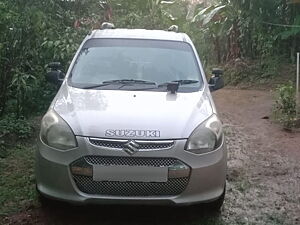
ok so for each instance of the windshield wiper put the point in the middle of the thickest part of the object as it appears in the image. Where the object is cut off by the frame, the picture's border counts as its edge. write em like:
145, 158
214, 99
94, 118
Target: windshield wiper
180, 82
129, 81
126, 82
164, 85
122, 82
97, 85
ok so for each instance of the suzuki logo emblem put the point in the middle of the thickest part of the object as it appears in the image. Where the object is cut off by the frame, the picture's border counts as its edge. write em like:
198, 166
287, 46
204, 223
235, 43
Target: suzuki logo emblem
131, 147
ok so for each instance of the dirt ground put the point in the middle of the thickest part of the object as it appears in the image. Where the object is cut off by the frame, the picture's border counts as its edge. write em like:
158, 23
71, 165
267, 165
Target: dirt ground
263, 167
263, 177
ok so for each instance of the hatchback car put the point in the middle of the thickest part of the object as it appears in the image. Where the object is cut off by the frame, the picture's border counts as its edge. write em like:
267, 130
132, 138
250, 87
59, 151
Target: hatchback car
133, 122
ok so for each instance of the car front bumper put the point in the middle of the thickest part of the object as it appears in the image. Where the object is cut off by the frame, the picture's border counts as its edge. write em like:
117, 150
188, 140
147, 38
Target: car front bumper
55, 179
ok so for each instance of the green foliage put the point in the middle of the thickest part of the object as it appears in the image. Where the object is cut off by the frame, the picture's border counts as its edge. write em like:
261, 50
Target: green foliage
32, 35
12, 130
11, 125
252, 29
293, 31
241, 71
284, 110
150, 14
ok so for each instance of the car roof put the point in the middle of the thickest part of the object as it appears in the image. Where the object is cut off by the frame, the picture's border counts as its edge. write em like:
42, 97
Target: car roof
140, 34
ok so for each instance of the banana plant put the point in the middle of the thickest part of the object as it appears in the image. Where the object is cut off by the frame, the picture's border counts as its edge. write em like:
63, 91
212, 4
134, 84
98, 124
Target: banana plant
219, 21
149, 14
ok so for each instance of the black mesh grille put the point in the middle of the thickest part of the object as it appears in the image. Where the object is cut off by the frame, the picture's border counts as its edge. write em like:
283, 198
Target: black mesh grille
151, 145
107, 144
173, 186
86, 184
130, 161
156, 145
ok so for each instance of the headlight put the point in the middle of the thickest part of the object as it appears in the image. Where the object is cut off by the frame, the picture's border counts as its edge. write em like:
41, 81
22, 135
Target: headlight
206, 137
56, 133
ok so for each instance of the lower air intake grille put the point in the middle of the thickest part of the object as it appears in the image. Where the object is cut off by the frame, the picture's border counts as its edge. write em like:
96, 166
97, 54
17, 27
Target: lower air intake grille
130, 161
174, 186
178, 176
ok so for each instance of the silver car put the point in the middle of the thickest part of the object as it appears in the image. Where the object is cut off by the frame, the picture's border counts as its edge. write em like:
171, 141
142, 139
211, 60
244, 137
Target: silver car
133, 122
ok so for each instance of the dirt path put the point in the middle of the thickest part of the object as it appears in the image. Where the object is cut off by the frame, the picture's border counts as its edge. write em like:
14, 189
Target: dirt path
263, 177
264, 169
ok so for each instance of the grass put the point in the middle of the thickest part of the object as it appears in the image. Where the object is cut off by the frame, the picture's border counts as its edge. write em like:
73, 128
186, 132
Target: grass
243, 185
17, 185
276, 219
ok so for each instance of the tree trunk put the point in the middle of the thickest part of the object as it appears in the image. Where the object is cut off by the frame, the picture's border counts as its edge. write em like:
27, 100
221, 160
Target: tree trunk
218, 49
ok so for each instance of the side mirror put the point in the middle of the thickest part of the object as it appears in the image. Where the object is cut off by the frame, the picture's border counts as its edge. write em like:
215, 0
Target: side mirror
216, 82
55, 74
55, 66
217, 72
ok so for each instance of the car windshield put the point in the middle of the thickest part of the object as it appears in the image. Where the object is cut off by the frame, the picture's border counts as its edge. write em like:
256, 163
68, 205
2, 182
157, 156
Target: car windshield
131, 64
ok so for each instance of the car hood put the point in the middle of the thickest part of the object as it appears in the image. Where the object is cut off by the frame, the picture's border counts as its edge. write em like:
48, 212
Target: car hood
132, 114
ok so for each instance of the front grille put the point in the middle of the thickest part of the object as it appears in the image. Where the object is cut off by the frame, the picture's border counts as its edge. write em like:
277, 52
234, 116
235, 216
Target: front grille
143, 145
172, 187
130, 161
106, 144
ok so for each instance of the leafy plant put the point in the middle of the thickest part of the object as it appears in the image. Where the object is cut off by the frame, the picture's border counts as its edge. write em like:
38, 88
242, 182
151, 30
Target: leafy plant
284, 110
11, 125
12, 130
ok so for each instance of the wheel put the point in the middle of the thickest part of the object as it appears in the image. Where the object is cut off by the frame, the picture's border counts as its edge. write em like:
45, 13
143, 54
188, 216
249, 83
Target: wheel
217, 204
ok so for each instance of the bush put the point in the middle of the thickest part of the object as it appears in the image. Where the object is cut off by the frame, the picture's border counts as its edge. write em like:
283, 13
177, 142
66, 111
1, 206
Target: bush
13, 129
32, 36
241, 71
20, 128
284, 109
